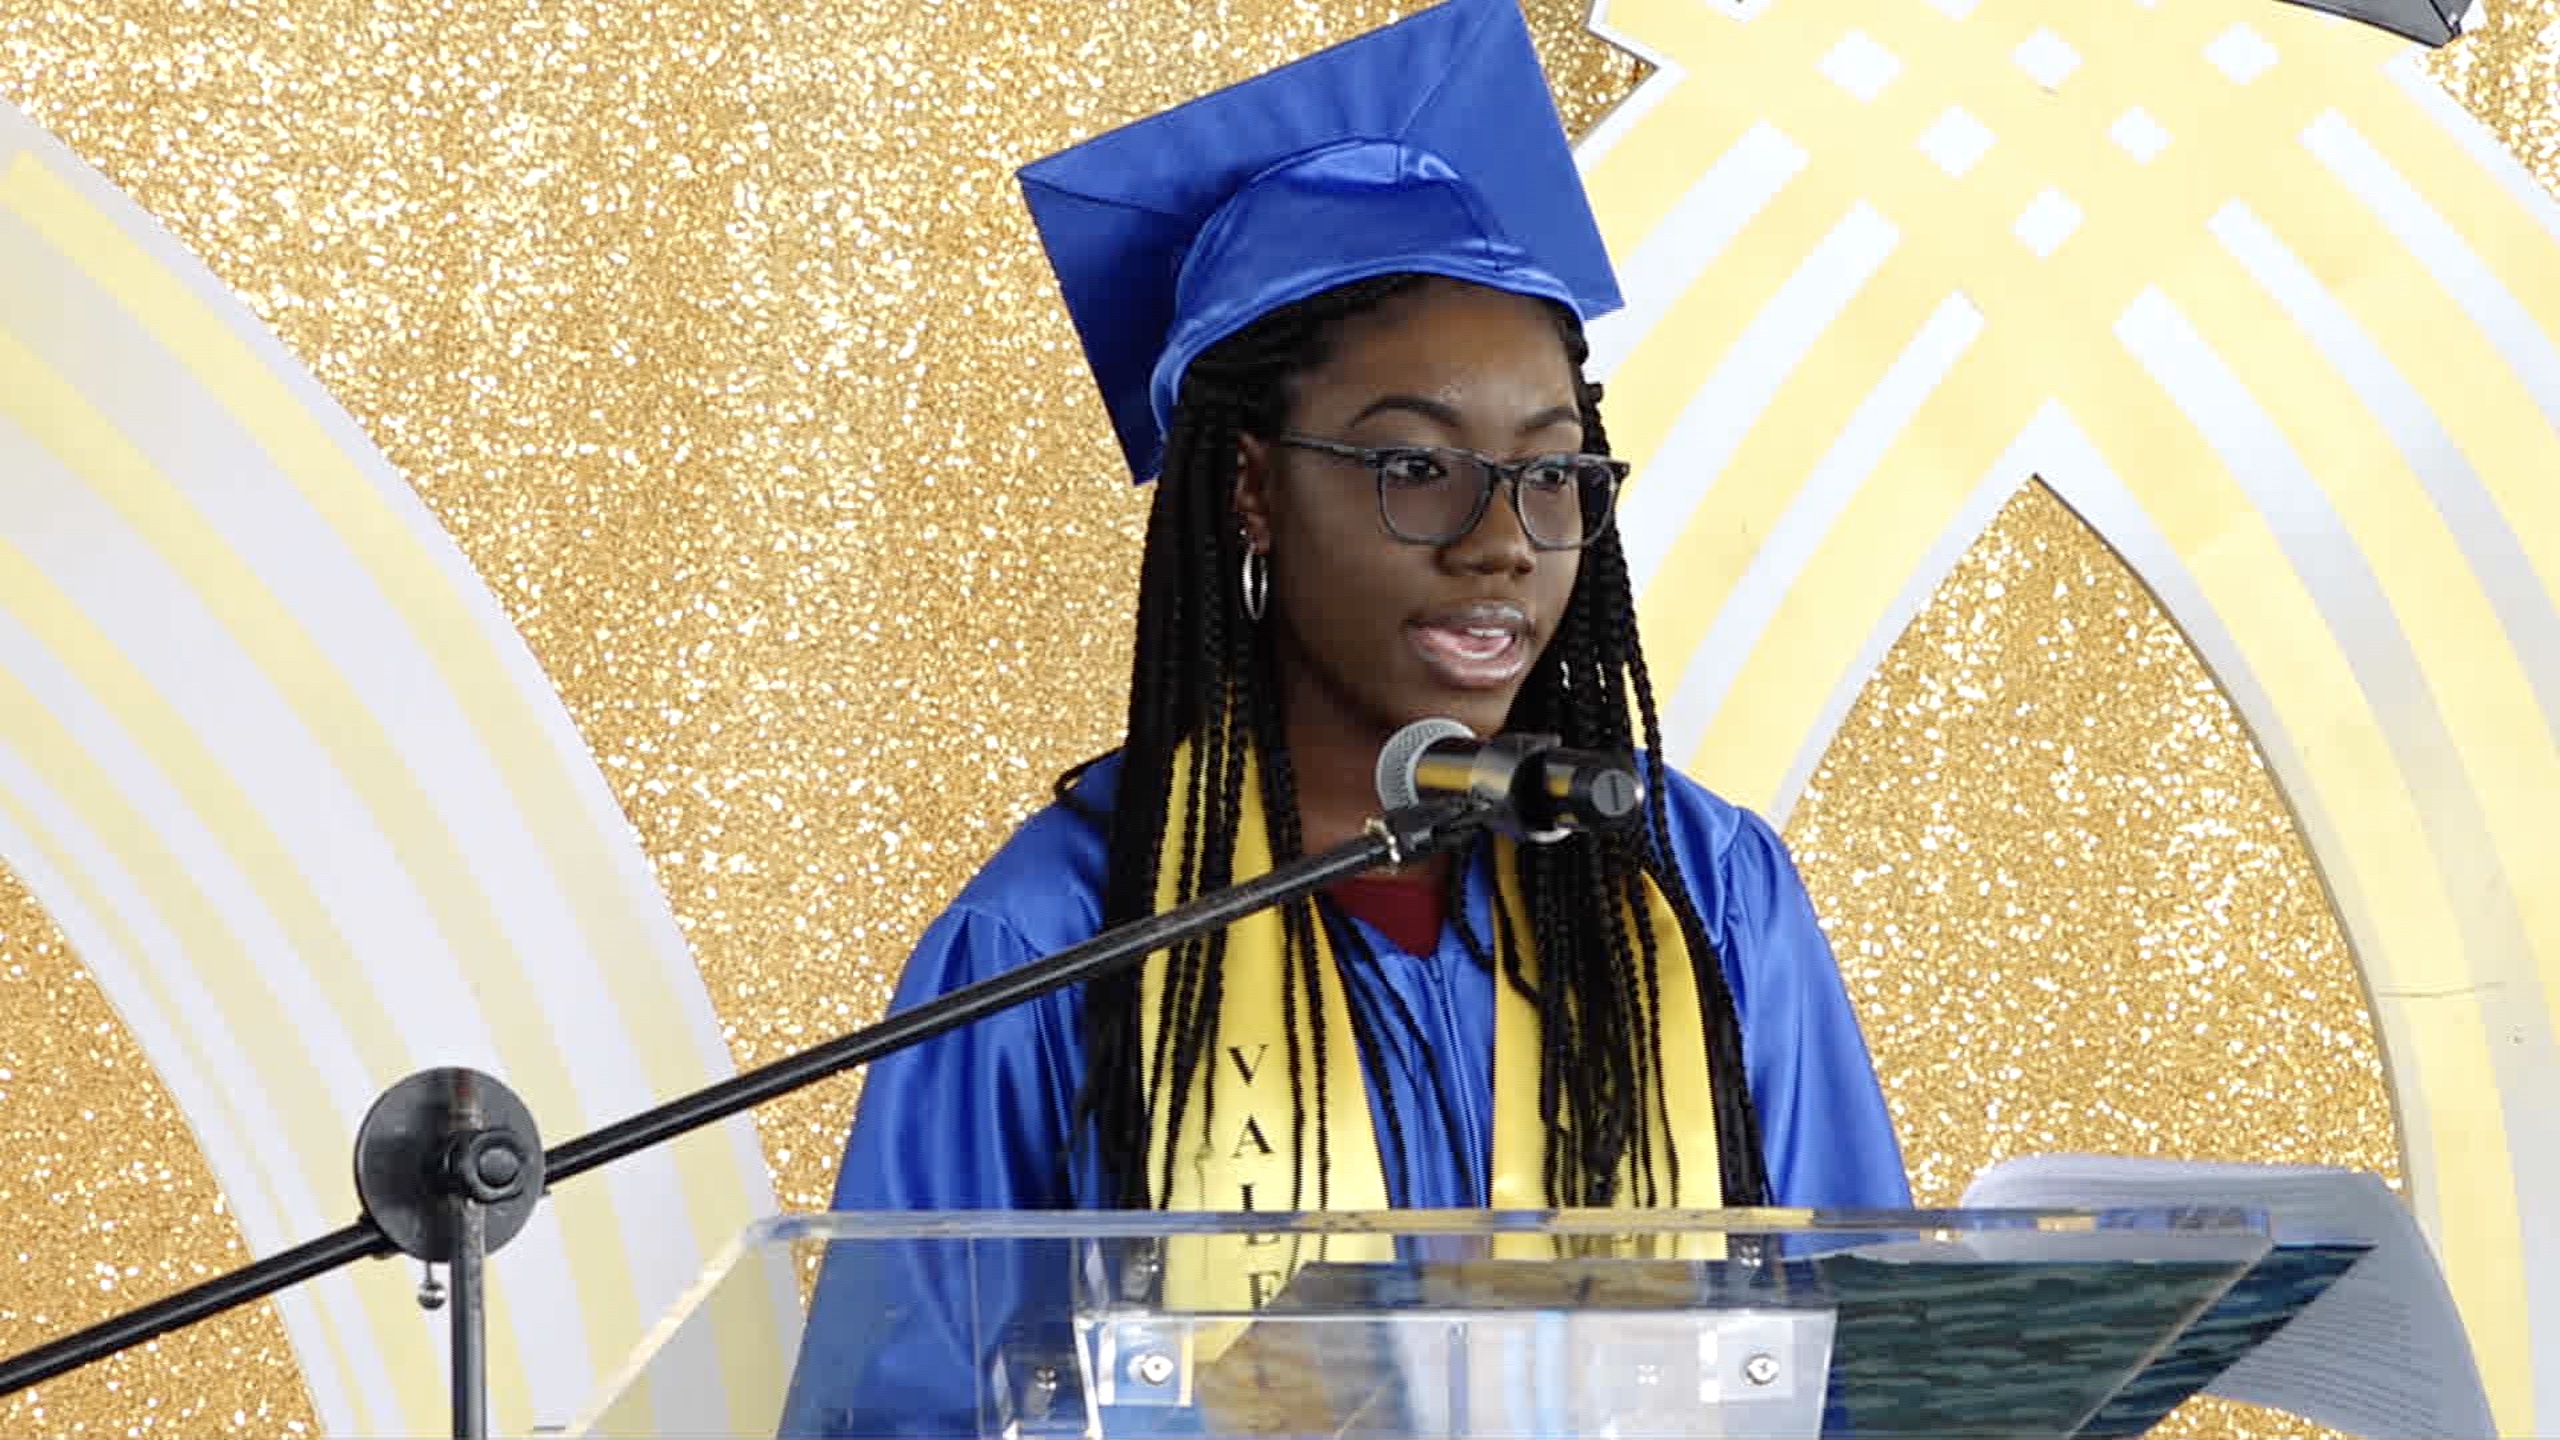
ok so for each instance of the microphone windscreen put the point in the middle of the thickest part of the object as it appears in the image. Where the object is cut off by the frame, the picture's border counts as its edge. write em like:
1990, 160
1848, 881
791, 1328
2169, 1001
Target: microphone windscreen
1403, 751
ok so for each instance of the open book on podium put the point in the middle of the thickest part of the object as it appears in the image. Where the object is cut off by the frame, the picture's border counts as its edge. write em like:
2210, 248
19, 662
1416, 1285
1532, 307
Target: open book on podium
1640, 1325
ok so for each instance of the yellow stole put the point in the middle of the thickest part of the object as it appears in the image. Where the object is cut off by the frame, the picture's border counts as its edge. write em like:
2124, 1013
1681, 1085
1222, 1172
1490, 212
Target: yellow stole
1239, 1150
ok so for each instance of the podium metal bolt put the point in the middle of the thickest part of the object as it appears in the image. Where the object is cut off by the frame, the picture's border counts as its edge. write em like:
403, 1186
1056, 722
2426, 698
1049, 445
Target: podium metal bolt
1152, 1368
1761, 1369
1040, 1399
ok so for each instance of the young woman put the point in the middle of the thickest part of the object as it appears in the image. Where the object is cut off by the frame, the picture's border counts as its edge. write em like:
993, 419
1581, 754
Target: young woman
1337, 314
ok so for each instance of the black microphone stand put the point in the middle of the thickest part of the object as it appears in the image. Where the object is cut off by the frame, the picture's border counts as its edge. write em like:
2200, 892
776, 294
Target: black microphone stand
449, 1165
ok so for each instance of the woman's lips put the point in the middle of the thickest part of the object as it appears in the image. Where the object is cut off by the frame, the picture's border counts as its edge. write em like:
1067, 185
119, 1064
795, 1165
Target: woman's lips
1474, 647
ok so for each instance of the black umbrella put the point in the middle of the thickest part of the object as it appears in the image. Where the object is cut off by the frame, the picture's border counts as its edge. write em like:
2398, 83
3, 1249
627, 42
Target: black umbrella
2429, 22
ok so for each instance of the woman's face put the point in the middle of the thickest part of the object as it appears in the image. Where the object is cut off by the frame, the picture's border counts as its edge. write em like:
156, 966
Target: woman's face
1376, 632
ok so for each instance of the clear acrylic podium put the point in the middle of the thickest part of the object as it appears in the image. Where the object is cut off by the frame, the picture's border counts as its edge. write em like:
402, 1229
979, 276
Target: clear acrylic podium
1640, 1325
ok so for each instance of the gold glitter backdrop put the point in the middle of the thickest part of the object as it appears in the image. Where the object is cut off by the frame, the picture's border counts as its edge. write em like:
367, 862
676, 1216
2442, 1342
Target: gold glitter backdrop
714, 332
2066, 895
2508, 73
2072, 908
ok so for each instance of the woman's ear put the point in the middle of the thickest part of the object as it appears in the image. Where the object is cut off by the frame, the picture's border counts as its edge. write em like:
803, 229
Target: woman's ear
1253, 491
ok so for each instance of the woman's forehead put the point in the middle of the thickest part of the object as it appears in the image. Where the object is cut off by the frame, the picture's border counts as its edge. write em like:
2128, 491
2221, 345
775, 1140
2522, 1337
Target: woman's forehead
1450, 350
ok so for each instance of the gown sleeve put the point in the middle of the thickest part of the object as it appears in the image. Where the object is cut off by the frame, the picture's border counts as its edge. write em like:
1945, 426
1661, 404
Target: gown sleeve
974, 1119
1825, 1130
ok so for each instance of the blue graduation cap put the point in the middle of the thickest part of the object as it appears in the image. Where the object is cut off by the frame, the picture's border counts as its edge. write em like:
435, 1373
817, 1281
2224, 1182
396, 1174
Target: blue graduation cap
1429, 146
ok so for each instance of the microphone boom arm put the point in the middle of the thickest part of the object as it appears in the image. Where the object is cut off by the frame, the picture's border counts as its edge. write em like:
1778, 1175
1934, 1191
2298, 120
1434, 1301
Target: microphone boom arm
448, 1168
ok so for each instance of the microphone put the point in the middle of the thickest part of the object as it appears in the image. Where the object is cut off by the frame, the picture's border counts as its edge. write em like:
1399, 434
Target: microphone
1537, 789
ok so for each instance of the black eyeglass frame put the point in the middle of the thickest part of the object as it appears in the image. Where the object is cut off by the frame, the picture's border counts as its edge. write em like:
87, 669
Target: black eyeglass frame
1495, 472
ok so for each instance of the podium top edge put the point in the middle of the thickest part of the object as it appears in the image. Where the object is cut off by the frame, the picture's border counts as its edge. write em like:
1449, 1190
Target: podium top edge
2196, 1221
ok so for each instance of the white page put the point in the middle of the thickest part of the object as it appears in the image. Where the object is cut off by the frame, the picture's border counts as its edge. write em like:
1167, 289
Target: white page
2381, 1354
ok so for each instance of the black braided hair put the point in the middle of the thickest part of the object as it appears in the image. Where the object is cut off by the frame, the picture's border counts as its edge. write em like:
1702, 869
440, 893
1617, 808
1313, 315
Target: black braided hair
1203, 673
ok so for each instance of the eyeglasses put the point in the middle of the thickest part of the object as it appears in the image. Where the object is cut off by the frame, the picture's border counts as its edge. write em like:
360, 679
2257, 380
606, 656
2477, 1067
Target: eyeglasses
1432, 495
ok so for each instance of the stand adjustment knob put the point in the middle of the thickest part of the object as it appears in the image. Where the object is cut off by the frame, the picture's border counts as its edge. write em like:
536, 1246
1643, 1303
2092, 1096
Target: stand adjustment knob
440, 1135
486, 1165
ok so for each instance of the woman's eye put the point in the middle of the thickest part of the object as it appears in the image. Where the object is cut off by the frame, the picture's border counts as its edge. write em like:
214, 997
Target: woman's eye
1549, 475
1411, 468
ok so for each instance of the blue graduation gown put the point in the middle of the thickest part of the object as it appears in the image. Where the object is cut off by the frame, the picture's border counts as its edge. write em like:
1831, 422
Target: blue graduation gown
980, 1119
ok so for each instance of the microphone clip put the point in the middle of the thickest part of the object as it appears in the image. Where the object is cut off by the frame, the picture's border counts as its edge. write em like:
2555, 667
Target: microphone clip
1500, 770
1427, 827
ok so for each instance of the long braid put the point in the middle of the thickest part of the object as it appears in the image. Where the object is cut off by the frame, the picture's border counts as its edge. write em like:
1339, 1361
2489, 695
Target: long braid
1300, 984
1587, 708
1744, 1169
1215, 871
1136, 834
